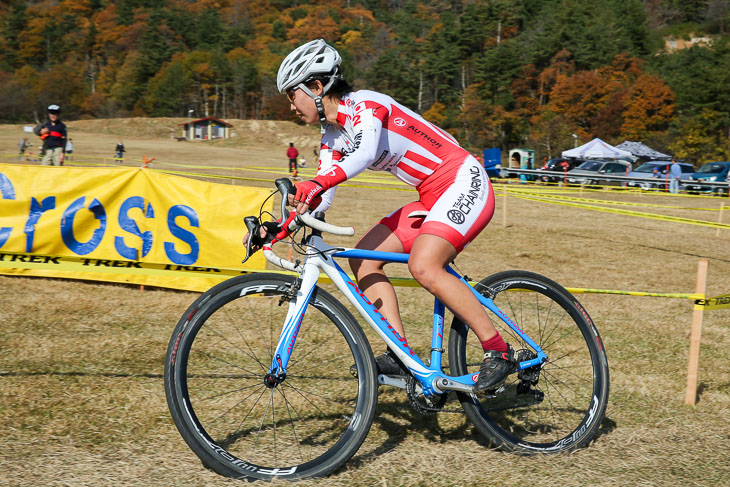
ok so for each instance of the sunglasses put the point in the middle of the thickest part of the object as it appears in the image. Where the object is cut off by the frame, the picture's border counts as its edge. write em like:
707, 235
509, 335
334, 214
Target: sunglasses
290, 94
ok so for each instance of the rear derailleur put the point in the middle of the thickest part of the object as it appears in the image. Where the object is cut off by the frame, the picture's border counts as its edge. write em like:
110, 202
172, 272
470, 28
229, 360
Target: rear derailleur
529, 377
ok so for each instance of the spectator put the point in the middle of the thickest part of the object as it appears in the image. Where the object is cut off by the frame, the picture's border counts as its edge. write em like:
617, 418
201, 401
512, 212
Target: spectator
23, 145
292, 153
674, 177
53, 135
69, 149
120, 152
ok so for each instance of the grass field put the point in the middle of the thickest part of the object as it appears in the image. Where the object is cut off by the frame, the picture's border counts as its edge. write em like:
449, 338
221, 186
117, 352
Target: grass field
81, 393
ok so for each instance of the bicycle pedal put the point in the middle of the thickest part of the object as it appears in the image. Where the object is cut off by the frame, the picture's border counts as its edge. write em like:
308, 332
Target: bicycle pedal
490, 393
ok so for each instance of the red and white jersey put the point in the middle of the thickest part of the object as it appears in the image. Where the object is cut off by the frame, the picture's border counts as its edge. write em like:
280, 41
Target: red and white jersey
382, 135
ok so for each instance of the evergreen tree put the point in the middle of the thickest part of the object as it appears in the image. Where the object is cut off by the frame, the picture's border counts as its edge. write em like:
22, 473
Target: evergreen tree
11, 25
167, 91
154, 49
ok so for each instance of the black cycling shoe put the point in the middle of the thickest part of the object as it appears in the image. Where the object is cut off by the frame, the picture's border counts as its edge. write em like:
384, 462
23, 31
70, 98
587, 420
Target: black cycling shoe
386, 364
495, 369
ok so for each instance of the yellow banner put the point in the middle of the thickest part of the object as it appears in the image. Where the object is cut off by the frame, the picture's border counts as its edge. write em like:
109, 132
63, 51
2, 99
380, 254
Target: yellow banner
125, 215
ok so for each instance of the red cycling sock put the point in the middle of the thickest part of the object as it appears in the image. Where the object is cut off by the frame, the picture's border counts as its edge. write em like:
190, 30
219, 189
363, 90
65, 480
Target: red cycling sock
495, 343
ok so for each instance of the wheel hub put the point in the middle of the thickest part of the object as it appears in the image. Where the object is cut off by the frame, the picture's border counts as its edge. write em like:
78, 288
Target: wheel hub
273, 380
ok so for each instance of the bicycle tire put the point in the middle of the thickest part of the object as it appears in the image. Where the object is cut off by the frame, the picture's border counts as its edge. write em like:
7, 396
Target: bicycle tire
310, 424
563, 410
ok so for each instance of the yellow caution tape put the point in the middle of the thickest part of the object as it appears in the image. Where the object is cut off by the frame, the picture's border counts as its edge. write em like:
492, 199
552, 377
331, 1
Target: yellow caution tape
718, 302
636, 293
608, 202
13, 260
653, 216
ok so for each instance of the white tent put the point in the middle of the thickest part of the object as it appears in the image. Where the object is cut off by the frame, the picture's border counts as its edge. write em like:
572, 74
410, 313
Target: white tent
598, 149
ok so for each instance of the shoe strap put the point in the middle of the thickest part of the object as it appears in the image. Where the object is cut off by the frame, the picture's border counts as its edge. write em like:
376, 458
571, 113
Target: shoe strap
493, 354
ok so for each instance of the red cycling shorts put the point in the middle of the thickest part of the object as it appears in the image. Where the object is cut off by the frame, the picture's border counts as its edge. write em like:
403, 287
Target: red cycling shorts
456, 203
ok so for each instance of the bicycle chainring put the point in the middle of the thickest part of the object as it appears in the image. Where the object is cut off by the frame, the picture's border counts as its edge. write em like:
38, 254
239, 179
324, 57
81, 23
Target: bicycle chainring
425, 405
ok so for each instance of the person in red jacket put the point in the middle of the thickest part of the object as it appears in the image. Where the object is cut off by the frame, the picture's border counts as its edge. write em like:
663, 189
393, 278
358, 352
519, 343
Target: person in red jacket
292, 153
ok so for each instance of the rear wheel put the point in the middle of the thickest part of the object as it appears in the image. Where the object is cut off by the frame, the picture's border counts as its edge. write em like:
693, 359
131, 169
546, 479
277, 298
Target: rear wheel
553, 408
240, 425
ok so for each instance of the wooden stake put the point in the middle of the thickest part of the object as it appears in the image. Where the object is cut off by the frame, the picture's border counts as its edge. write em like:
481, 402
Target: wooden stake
690, 394
719, 218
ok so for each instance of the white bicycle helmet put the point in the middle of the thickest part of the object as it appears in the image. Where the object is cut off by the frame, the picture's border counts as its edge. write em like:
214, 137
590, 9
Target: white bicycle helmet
54, 108
304, 62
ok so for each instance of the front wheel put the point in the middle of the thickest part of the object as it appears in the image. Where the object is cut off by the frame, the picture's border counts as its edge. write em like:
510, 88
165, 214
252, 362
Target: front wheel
551, 408
240, 426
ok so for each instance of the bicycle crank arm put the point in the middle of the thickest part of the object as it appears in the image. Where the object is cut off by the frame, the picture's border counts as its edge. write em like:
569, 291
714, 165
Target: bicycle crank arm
451, 385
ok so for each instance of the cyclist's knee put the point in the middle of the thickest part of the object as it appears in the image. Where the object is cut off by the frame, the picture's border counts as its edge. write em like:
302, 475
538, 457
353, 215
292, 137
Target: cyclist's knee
424, 272
362, 268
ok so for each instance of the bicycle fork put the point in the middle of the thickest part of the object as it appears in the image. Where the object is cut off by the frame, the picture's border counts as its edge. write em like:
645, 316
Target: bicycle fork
298, 298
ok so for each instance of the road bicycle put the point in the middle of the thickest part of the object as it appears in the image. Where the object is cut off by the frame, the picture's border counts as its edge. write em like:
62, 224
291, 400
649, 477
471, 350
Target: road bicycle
268, 375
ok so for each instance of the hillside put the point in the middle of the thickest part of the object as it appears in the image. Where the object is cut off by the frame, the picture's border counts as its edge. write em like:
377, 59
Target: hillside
245, 133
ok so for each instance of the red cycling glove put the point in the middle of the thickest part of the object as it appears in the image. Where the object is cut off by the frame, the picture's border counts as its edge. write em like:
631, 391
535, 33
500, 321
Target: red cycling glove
308, 191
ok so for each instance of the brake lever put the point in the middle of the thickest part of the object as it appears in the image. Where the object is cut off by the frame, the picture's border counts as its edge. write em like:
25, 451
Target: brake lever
254, 239
285, 187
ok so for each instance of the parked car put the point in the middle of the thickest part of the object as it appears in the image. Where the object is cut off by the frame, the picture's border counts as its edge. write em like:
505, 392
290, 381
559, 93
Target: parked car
710, 172
646, 170
586, 172
557, 165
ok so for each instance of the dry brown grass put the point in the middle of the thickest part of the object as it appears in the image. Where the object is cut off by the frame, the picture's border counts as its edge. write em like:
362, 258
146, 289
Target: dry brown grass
82, 401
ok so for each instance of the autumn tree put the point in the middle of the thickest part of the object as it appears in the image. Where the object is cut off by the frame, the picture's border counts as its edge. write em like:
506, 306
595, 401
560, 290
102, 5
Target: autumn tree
648, 108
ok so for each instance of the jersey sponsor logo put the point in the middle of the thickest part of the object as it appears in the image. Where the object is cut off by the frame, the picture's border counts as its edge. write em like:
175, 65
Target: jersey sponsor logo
420, 133
465, 201
399, 122
456, 216
380, 159
355, 146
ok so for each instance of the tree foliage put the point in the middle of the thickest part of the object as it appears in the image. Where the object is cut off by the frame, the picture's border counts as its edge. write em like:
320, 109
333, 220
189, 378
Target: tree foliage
492, 72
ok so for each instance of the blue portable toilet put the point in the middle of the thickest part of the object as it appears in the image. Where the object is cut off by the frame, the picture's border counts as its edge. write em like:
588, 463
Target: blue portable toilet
493, 162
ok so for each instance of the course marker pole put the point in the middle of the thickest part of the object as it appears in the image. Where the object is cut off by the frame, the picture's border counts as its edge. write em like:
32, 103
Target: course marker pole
690, 394
719, 218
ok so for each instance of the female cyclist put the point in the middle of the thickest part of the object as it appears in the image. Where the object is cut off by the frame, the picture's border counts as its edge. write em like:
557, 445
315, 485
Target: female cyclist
368, 130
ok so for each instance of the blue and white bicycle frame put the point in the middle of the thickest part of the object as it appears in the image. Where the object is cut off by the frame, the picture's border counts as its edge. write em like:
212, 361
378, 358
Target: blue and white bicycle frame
320, 257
